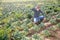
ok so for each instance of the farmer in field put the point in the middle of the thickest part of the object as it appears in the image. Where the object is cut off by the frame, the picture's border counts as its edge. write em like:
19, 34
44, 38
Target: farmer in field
37, 17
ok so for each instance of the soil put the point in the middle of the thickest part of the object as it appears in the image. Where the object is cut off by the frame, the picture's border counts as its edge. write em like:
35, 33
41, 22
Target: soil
45, 20
51, 38
31, 32
58, 34
55, 37
55, 34
58, 20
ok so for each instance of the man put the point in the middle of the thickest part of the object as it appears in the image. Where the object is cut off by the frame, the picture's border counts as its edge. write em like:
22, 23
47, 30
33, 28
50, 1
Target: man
37, 12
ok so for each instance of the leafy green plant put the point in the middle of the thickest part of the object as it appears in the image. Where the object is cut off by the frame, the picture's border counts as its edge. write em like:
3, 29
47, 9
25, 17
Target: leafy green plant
48, 17
25, 27
3, 35
25, 38
36, 28
56, 9
48, 12
46, 33
41, 25
53, 28
53, 21
58, 16
29, 16
30, 25
27, 21
17, 35
1, 14
35, 36
58, 25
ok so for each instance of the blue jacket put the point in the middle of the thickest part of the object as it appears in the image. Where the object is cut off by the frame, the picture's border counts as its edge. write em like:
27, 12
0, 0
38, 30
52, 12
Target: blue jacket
36, 13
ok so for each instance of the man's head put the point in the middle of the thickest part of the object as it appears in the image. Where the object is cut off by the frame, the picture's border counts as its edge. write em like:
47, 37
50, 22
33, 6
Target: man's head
37, 7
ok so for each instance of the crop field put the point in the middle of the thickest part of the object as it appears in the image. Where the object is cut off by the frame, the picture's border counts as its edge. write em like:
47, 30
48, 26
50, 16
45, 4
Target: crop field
16, 21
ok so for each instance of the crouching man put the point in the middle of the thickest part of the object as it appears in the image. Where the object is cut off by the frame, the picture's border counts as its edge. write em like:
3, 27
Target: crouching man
37, 17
